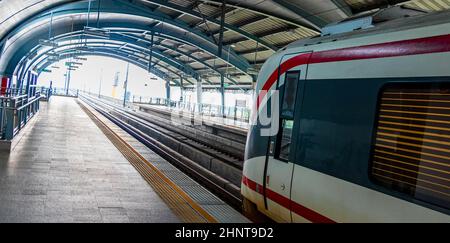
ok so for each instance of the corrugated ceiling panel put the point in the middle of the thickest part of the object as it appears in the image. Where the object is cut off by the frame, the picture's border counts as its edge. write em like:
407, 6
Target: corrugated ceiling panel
167, 11
184, 3
229, 35
237, 16
260, 56
216, 62
264, 25
430, 5
357, 4
246, 45
207, 9
285, 38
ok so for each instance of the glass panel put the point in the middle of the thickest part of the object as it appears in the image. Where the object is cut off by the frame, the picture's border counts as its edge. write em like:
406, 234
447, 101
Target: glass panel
290, 94
412, 147
286, 138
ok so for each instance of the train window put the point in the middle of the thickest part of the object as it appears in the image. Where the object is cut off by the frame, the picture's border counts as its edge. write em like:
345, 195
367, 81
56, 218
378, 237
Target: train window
290, 94
411, 152
285, 139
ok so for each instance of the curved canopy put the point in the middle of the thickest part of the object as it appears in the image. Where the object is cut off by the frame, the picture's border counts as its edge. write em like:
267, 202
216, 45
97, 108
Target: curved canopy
177, 40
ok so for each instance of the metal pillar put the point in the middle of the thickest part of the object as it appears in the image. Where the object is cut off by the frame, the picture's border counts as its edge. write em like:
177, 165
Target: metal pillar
222, 24
126, 86
151, 52
68, 82
222, 94
181, 90
27, 87
98, 13
255, 80
168, 92
199, 94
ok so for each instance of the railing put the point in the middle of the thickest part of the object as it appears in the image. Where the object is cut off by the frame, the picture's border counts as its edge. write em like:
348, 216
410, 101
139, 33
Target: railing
236, 113
108, 98
63, 92
15, 112
11, 92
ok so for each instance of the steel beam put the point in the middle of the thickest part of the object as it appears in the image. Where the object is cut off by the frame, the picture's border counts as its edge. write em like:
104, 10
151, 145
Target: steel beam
279, 17
43, 64
344, 7
117, 51
222, 23
193, 13
317, 21
108, 7
261, 35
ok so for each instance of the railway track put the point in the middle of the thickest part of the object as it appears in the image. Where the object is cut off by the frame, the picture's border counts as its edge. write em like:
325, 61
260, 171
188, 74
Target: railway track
208, 125
218, 170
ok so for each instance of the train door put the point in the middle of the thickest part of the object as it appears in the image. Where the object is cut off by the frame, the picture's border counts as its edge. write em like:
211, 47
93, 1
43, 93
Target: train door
281, 149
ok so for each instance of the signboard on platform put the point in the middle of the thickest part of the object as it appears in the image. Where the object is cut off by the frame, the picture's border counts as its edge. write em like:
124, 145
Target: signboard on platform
241, 103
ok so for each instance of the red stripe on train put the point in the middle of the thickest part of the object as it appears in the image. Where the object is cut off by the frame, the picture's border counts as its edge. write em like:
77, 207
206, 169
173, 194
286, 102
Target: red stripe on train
287, 203
425, 45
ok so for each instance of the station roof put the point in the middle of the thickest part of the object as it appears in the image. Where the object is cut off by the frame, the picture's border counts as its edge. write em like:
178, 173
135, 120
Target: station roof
253, 31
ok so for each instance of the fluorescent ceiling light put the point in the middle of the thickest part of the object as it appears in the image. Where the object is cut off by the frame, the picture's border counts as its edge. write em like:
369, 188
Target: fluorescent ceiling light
52, 55
53, 59
48, 43
96, 32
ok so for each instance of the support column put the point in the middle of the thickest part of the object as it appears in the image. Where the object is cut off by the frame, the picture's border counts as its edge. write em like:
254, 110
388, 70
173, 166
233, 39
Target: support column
67, 82
199, 94
222, 94
168, 92
222, 24
150, 60
33, 85
29, 77
126, 86
182, 100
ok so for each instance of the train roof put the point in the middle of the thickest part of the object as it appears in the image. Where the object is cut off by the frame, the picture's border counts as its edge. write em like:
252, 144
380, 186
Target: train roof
399, 24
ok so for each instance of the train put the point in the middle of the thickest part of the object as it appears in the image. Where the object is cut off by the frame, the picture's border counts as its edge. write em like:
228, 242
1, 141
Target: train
354, 125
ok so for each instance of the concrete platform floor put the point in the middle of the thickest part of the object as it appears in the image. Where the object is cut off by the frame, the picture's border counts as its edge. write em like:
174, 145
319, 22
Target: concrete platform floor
64, 169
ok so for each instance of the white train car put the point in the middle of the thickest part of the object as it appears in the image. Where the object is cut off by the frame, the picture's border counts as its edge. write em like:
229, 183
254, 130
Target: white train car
363, 128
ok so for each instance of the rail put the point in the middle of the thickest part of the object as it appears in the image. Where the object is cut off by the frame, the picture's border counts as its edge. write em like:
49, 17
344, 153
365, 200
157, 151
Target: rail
236, 113
11, 92
15, 112
64, 92
240, 114
223, 177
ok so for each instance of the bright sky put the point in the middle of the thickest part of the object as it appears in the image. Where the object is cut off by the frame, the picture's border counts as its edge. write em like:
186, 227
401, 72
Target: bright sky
88, 77
140, 82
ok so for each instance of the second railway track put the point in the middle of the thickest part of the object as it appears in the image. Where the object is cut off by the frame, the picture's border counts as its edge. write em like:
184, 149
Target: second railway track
218, 169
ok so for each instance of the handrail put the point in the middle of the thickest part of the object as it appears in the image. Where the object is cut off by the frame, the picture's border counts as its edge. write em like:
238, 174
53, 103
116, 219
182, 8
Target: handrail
15, 114
27, 104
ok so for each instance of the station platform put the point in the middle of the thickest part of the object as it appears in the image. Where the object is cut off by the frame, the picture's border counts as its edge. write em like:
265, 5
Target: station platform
73, 165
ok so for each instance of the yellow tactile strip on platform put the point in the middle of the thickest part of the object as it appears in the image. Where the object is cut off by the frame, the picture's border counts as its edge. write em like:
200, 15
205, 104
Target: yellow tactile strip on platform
176, 199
